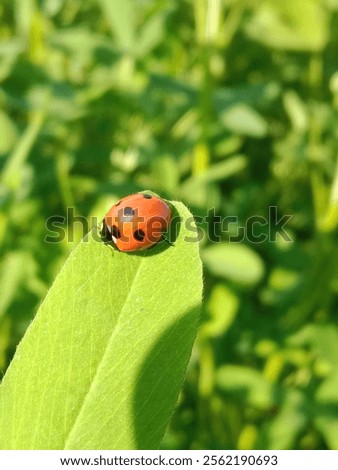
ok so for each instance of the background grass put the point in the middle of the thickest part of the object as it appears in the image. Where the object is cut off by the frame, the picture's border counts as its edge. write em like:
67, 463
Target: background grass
228, 104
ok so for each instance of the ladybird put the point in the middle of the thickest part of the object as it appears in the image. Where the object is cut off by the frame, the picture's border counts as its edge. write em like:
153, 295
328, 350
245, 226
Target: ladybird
136, 222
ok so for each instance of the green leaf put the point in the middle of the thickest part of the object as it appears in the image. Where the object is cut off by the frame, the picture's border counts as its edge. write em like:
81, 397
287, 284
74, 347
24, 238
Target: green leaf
101, 365
9, 133
297, 111
323, 340
237, 263
282, 431
24, 10
80, 41
222, 308
168, 84
151, 34
300, 25
246, 384
199, 189
326, 410
241, 119
220, 171
12, 172
5, 338
120, 15
251, 94
12, 273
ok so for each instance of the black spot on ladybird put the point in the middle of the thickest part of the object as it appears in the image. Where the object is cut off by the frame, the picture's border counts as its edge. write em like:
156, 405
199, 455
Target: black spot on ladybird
139, 235
147, 196
128, 211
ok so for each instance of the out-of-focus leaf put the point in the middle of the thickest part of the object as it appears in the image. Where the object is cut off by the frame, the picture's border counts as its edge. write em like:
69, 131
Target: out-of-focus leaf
281, 431
246, 385
5, 337
200, 194
24, 11
228, 145
18, 271
332, 4
200, 190
11, 48
12, 172
12, 273
297, 25
221, 171
8, 133
165, 165
282, 279
327, 393
222, 307
52, 7
150, 35
281, 283
248, 437
323, 339
120, 15
241, 119
237, 263
81, 41
326, 409
9, 51
296, 110
169, 84
258, 95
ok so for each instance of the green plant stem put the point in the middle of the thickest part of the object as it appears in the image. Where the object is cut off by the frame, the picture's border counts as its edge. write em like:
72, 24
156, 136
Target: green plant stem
233, 20
11, 175
330, 221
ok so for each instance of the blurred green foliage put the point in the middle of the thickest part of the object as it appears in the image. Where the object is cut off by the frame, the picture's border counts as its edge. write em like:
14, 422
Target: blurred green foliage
228, 104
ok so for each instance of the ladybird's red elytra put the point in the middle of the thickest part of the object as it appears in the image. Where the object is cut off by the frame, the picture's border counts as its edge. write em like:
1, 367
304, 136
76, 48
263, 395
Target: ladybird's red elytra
137, 222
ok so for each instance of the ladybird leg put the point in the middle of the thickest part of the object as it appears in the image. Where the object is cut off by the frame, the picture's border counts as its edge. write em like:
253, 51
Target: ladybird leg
112, 247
